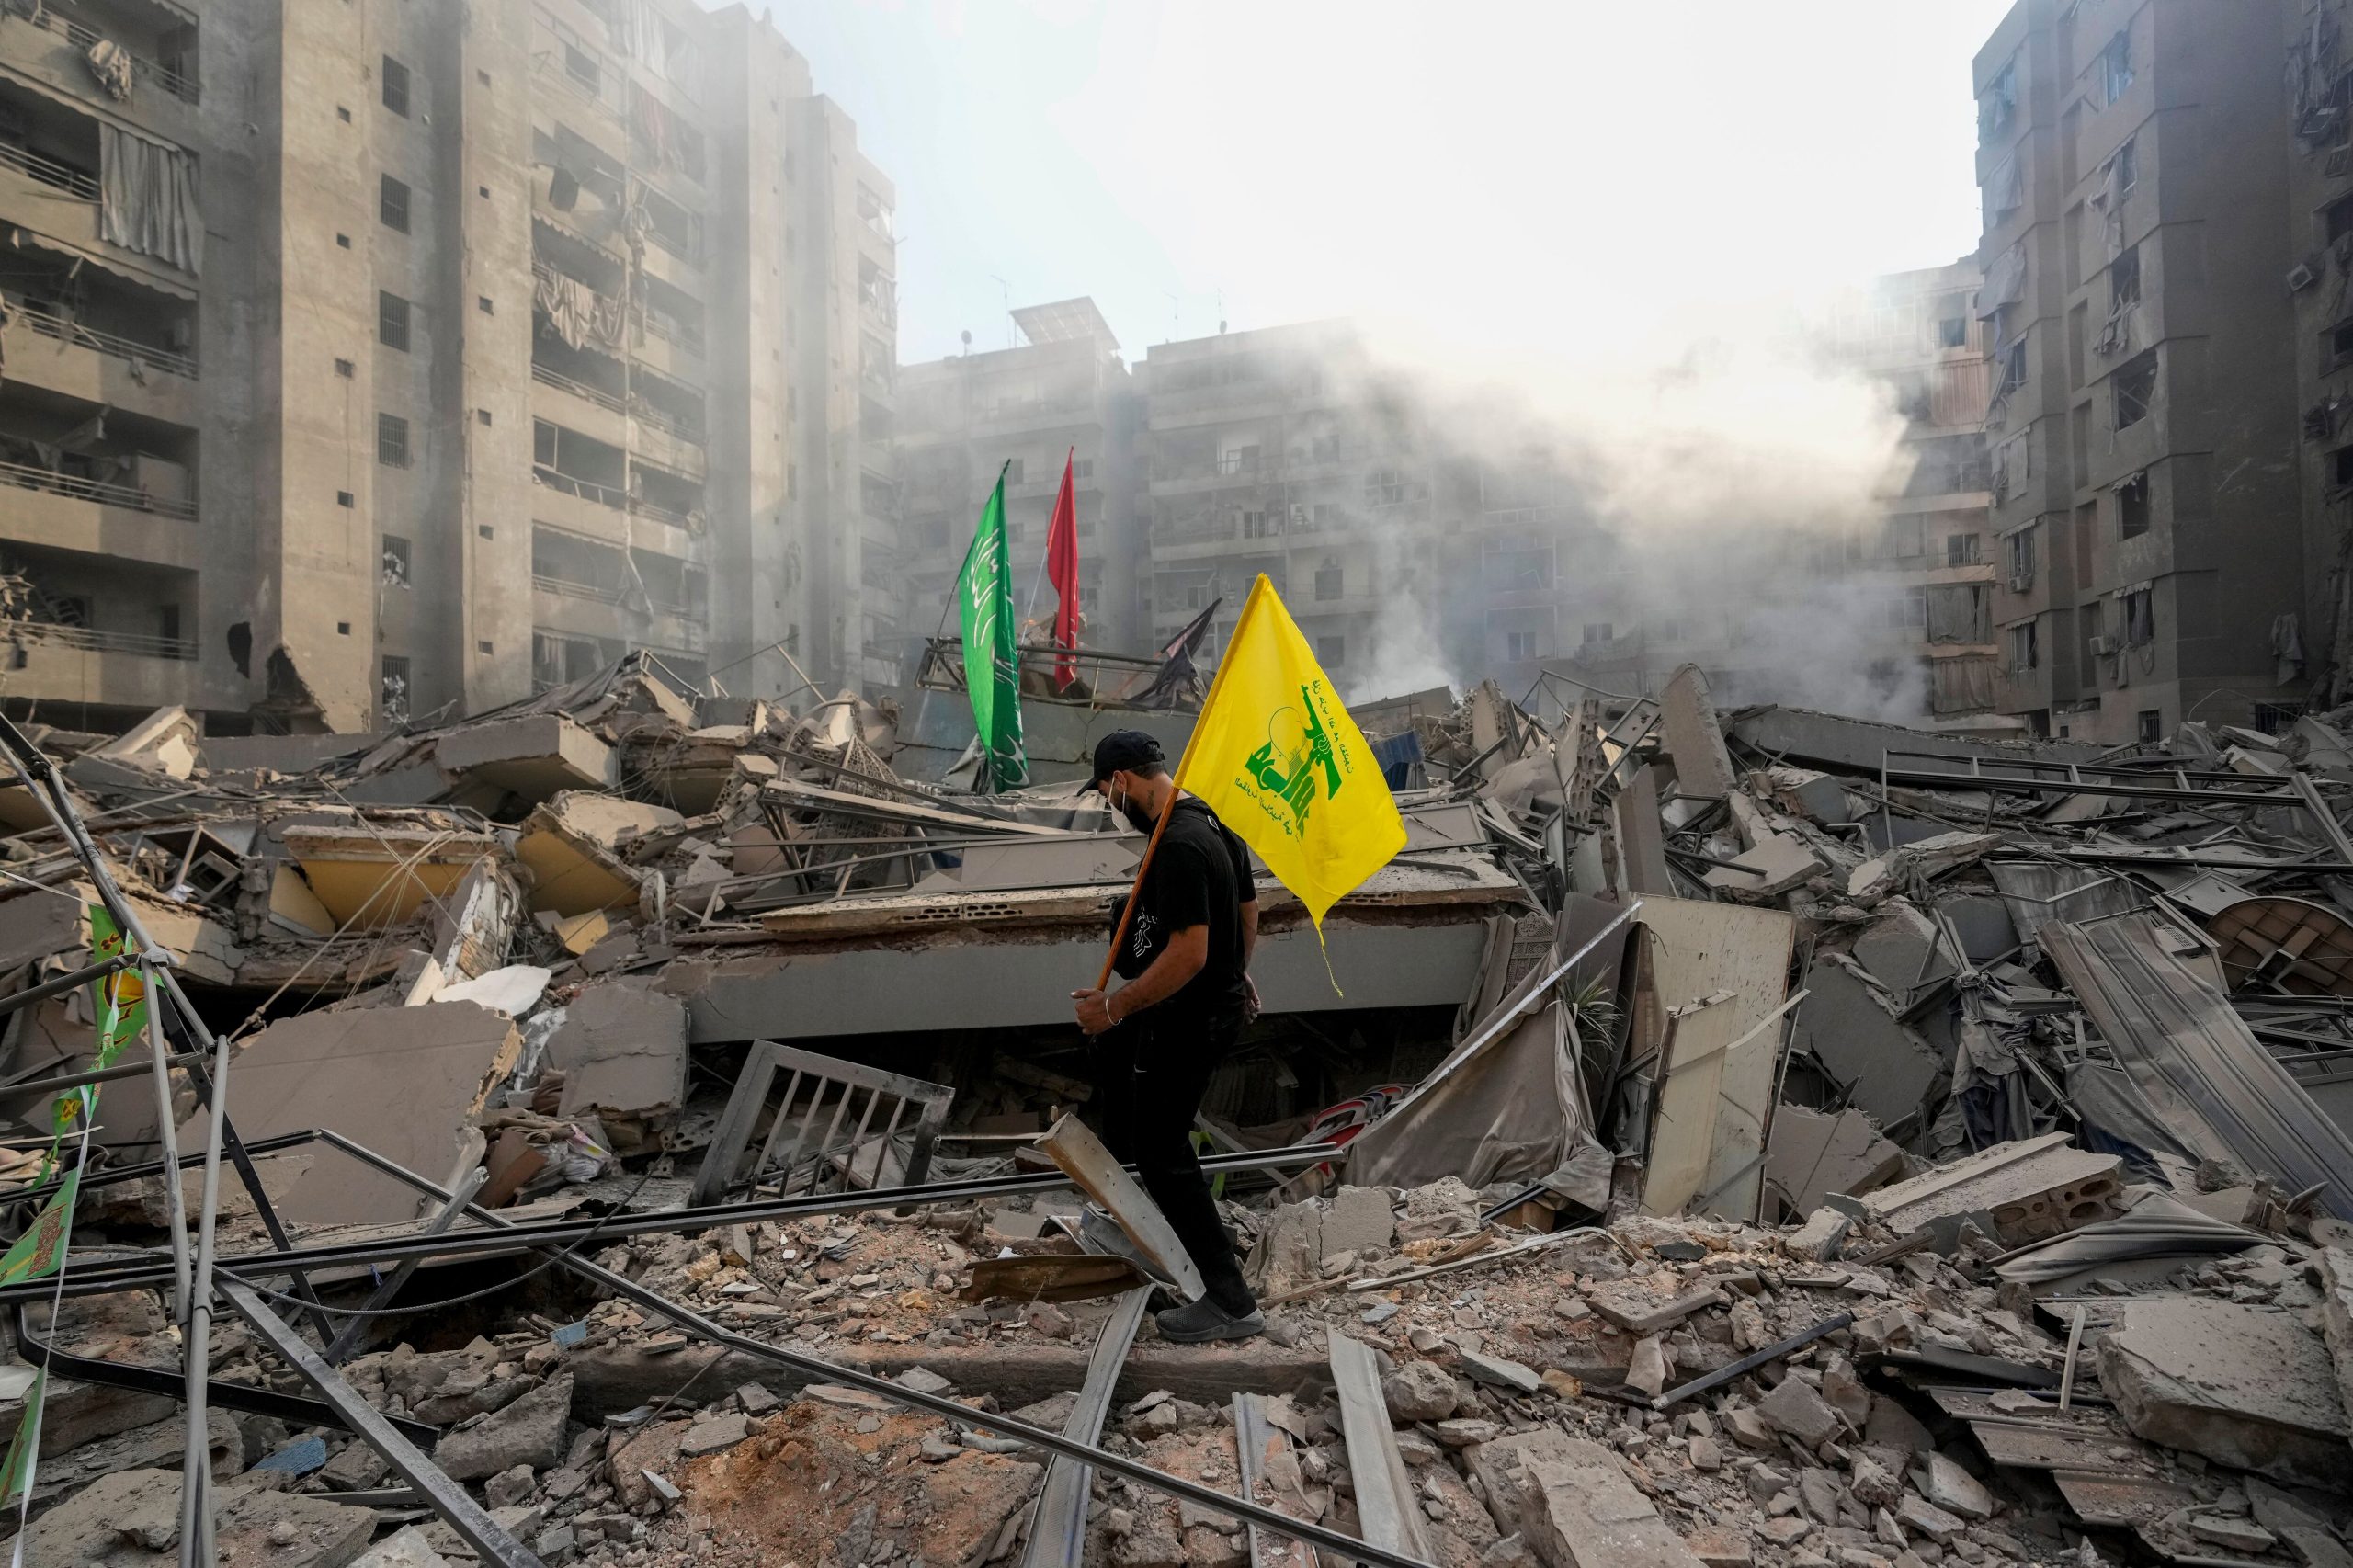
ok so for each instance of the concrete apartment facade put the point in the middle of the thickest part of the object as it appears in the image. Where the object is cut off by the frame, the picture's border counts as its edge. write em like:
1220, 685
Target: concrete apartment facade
2143, 222
517, 337
1062, 393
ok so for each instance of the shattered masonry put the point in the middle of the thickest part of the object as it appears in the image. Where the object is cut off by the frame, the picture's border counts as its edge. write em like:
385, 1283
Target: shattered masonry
1762, 1137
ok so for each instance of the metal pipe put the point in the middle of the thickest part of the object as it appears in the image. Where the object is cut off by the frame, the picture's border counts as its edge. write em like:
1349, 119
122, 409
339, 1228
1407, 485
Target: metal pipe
1749, 1363
102, 1075
167, 1140
18, 1000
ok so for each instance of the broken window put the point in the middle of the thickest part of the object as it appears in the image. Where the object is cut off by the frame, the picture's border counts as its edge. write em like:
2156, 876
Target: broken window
2133, 507
2124, 168
392, 690
392, 321
2009, 367
2019, 548
2025, 651
1331, 652
2116, 67
392, 440
1961, 550
391, 204
2152, 726
2124, 279
2136, 390
1384, 487
1998, 102
395, 86
1328, 582
396, 561
2140, 614
1953, 332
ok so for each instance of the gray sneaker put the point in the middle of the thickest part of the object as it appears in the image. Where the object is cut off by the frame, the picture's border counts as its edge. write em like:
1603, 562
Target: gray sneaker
1203, 1320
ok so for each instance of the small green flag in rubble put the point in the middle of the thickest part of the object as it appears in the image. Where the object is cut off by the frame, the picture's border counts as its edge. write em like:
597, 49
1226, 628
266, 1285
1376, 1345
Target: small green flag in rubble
991, 649
19, 1470
40, 1250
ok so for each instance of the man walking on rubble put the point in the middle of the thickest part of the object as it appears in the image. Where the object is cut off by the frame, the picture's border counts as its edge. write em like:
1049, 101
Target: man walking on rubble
1158, 1038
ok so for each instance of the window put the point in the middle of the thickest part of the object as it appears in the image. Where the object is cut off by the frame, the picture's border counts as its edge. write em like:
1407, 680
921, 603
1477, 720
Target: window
2009, 367
396, 561
1082, 468
392, 689
345, 368
2340, 469
2336, 220
1953, 332
1908, 611
583, 68
1255, 526
167, 623
2136, 390
2337, 346
1331, 652
1598, 631
1998, 102
1328, 582
2018, 548
345, 498
2124, 278
1384, 487
482, 303
2089, 617
2153, 726
392, 321
391, 204
392, 440
2133, 507
1520, 647
2026, 652
2140, 616
397, 86
1961, 550
2126, 166
2116, 68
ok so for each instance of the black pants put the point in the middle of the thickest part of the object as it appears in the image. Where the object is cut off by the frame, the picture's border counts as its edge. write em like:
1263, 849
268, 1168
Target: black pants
1148, 1086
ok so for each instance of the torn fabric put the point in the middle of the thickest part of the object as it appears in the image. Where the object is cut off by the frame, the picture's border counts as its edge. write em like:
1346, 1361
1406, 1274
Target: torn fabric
148, 198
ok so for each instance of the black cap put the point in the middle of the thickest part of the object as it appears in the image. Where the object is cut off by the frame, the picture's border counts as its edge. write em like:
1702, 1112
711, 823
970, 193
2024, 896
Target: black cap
1125, 751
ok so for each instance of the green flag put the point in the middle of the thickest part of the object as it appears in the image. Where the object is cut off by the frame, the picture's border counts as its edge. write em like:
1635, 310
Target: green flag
992, 655
18, 1474
41, 1250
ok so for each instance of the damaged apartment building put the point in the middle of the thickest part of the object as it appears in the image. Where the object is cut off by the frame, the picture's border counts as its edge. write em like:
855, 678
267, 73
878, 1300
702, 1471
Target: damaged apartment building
2169, 237
368, 361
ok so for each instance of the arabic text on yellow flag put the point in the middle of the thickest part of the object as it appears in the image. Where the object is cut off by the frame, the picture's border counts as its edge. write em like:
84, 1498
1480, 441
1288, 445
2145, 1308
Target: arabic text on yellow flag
1281, 763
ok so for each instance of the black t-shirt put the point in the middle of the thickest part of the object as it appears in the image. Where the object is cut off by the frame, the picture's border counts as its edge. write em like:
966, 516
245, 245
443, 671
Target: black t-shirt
1199, 876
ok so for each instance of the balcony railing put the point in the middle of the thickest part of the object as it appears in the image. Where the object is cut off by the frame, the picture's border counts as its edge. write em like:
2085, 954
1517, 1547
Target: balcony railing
50, 173
662, 419
83, 37
669, 329
602, 495
65, 331
84, 639
561, 382
570, 589
27, 477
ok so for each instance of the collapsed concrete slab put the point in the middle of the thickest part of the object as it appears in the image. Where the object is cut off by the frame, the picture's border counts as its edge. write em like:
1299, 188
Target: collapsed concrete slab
622, 1050
570, 843
2034, 1188
1813, 1153
534, 755
2248, 1388
373, 875
349, 1072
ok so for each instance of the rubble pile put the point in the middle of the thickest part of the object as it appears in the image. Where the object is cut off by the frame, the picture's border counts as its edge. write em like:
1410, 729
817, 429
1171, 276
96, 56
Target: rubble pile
1734, 1138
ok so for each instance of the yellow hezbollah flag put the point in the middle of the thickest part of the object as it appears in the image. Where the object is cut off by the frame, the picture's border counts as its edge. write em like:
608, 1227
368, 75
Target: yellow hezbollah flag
1281, 763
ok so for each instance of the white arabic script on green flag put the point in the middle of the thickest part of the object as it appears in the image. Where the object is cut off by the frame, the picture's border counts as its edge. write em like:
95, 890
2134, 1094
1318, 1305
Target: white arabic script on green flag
991, 654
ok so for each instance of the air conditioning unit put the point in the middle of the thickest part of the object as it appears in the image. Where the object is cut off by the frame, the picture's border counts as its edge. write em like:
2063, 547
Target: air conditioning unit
2302, 277
2103, 646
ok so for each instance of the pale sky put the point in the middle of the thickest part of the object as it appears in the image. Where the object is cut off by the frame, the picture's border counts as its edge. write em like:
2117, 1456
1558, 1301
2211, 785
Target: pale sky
1525, 174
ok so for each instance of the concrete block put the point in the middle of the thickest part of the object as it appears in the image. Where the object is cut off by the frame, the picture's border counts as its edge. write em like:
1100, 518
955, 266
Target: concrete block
2251, 1389
530, 1431
131, 1520
1638, 1310
1795, 1408
1813, 1154
2034, 1188
1359, 1221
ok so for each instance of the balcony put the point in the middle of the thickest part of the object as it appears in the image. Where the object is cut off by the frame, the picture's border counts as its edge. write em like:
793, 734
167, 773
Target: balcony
83, 638
24, 476
80, 36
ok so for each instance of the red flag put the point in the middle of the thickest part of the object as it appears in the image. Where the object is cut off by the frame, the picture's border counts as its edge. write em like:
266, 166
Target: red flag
1062, 568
